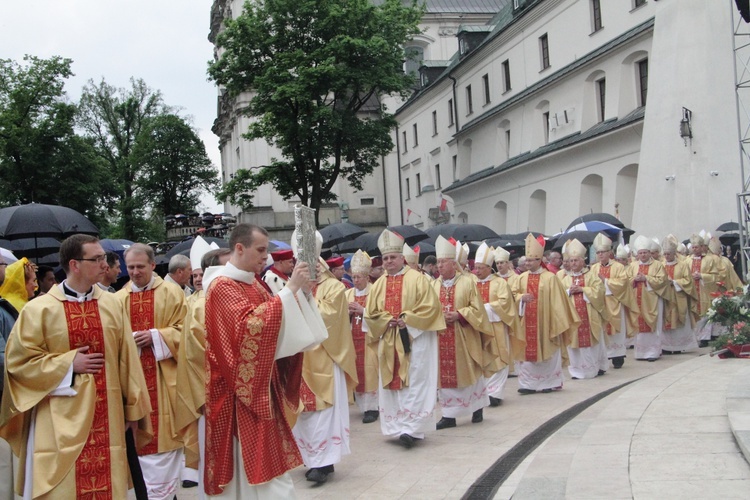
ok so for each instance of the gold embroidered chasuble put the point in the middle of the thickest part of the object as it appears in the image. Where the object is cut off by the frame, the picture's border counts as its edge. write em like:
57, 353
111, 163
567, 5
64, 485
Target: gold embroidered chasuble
709, 266
593, 289
420, 307
498, 294
549, 322
648, 300
676, 309
622, 301
317, 392
79, 442
461, 353
165, 312
367, 353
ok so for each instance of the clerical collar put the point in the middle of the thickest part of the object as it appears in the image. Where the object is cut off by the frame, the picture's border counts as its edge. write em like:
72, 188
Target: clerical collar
506, 275
73, 295
671, 262
231, 271
697, 257
538, 271
571, 273
609, 263
360, 293
147, 287
645, 263
488, 278
450, 282
402, 271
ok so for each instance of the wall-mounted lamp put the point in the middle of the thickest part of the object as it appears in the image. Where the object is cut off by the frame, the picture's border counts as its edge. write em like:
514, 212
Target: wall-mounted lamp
686, 130
714, 173
669, 178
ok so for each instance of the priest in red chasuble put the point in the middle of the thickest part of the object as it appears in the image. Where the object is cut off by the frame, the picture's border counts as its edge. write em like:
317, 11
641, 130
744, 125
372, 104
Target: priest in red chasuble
73, 384
366, 392
587, 351
678, 335
461, 357
253, 372
547, 320
156, 310
402, 316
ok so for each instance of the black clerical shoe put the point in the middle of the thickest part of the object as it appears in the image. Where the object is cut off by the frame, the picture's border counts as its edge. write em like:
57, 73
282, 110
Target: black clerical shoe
495, 401
445, 423
525, 392
618, 361
187, 483
601, 372
317, 475
477, 416
651, 360
703, 343
406, 440
546, 391
370, 416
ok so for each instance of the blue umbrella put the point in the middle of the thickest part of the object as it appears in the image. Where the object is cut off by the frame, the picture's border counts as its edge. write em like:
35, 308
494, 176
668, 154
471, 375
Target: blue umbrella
279, 245
119, 247
596, 226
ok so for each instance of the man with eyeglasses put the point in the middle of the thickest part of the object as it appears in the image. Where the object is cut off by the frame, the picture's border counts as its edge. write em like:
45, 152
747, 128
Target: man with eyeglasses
72, 366
157, 310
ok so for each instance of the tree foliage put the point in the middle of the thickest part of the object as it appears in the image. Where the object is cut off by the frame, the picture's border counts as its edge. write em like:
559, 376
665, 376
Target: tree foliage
173, 167
113, 118
317, 70
42, 160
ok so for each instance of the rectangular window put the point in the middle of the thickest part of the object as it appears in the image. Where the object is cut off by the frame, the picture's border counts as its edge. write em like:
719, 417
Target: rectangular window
416, 136
643, 80
486, 84
596, 15
367, 201
506, 75
601, 94
451, 118
469, 101
545, 124
408, 189
406, 146
507, 144
438, 184
544, 50
434, 123
638, 3
455, 168
419, 184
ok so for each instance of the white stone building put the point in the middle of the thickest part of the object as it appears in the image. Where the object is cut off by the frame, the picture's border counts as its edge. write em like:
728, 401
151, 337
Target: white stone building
367, 207
557, 108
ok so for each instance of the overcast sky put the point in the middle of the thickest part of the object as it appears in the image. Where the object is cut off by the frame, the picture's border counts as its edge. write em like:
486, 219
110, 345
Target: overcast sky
164, 42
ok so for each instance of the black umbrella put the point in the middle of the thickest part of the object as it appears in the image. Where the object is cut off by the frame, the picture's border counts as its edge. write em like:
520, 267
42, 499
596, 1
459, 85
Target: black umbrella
462, 232
425, 249
339, 233
729, 226
410, 234
601, 217
729, 239
185, 245
367, 242
512, 246
34, 248
36, 220
549, 241
585, 237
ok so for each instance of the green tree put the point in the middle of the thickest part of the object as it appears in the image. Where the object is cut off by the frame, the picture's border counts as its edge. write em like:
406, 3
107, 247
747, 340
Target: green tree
173, 167
317, 70
42, 160
113, 118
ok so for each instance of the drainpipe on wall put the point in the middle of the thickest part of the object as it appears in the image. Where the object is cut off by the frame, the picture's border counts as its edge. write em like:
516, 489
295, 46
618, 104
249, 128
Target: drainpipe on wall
455, 103
398, 166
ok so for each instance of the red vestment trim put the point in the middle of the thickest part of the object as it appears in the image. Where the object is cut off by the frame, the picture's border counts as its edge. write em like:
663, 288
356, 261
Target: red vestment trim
142, 318
584, 330
605, 271
393, 306
484, 291
447, 342
94, 464
696, 268
670, 273
531, 314
639, 286
359, 344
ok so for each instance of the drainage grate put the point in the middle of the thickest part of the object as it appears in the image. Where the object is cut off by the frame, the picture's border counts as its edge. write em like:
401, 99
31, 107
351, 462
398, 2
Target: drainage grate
488, 483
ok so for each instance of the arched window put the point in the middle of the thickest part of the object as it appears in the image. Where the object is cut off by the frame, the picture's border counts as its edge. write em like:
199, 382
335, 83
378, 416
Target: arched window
591, 194
538, 211
625, 193
500, 217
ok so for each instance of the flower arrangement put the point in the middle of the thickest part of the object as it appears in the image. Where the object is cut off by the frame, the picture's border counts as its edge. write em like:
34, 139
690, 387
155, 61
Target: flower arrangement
730, 309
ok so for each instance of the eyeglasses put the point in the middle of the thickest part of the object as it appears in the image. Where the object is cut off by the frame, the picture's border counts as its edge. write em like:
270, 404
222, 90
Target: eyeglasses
3, 264
98, 258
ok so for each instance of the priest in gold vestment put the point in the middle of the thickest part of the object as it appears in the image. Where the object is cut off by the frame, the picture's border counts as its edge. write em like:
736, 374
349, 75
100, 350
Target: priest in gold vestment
678, 335
403, 310
72, 384
156, 310
547, 320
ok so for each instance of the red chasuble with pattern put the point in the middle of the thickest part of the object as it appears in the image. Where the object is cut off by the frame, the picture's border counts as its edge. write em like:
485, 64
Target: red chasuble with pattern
670, 273
604, 271
531, 314
447, 342
142, 318
359, 344
639, 287
93, 466
393, 306
246, 389
584, 329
